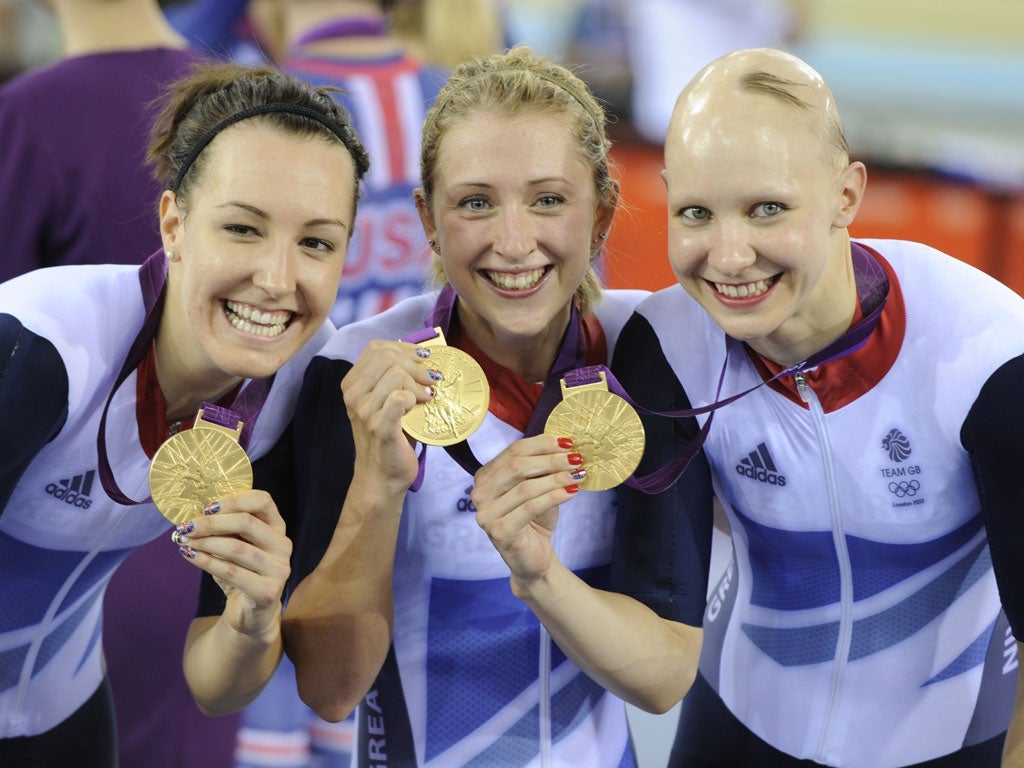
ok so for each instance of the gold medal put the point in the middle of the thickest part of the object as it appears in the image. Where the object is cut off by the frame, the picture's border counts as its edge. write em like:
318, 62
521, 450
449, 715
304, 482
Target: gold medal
197, 466
603, 427
460, 399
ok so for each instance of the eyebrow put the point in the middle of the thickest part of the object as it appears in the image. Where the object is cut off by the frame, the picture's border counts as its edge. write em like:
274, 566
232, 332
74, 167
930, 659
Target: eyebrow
265, 216
529, 182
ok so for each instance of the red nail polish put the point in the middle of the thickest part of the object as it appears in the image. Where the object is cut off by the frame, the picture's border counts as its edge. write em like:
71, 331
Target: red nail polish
572, 488
575, 458
565, 442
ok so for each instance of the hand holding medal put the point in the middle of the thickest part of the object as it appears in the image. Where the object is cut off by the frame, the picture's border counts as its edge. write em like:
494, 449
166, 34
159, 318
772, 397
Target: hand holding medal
200, 465
461, 395
602, 426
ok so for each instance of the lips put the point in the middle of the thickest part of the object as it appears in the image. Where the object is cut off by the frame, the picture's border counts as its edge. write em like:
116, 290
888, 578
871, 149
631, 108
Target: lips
256, 321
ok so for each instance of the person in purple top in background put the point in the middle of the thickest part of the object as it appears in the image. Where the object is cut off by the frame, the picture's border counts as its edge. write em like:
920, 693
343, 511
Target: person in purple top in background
74, 188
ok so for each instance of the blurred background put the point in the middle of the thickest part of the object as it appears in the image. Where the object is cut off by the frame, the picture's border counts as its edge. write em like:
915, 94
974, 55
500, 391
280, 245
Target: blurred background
931, 92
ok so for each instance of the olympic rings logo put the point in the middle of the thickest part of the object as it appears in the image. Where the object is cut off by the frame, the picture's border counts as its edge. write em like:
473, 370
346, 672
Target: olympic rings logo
904, 488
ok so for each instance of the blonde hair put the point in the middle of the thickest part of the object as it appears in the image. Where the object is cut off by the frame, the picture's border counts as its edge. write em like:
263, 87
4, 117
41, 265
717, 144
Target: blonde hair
511, 84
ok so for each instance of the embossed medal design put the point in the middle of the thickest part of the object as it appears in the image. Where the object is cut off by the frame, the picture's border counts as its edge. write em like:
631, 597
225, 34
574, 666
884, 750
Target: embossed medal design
197, 466
460, 399
603, 427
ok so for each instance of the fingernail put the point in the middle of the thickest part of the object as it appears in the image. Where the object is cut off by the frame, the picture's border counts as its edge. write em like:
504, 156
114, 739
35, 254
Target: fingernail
568, 489
430, 391
187, 552
422, 352
575, 458
579, 474
178, 537
212, 508
186, 527
435, 375
565, 442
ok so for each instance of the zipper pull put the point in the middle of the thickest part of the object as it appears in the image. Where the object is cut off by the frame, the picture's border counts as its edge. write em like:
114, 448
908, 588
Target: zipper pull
802, 387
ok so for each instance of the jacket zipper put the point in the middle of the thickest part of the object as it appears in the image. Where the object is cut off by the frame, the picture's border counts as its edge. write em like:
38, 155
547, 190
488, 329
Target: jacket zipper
845, 634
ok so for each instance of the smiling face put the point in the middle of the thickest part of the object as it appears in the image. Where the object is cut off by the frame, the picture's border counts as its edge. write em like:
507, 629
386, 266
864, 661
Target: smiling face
516, 219
256, 256
758, 210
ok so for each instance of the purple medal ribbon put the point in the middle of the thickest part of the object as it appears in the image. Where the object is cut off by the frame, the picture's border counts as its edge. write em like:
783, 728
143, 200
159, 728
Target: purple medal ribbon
570, 356
872, 292
246, 407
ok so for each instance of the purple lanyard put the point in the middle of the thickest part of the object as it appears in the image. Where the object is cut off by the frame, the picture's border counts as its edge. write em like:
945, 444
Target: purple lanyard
245, 408
358, 26
570, 356
872, 292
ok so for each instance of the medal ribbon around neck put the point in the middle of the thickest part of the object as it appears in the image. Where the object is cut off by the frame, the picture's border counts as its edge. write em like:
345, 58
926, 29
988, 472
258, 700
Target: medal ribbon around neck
570, 356
872, 292
246, 407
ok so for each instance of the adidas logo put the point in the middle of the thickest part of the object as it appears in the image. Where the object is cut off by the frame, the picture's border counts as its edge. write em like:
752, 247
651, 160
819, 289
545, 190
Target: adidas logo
758, 465
465, 504
74, 490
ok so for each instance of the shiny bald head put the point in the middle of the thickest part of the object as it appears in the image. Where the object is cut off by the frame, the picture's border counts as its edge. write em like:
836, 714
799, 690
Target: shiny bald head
723, 90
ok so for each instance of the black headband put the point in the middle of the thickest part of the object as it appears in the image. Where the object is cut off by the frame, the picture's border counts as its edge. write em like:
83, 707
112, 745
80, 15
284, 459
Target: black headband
263, 109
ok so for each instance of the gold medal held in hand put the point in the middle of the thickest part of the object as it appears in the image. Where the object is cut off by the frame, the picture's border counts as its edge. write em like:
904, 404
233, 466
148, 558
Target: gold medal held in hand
197, 466
460, 399
604, 428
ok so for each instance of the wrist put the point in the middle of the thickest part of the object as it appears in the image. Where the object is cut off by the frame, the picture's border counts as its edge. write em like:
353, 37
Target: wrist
377, 492
538, 588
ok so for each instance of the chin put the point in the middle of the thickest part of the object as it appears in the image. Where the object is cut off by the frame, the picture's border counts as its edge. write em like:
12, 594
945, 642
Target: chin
740, 329
255, 365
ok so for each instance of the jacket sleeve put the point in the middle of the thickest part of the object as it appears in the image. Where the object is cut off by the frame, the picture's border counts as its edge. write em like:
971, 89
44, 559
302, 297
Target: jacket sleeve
662, 541
33, 399
993, 434
324, 462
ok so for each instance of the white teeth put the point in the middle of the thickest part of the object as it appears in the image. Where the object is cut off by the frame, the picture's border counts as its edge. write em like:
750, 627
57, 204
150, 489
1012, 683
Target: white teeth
250, 320
744, 290
518, 281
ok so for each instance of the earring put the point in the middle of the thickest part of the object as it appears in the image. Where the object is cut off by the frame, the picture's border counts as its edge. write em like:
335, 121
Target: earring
433, 245
603, 235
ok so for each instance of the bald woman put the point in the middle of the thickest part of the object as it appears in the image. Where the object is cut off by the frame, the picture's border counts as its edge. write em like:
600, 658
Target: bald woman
869, 476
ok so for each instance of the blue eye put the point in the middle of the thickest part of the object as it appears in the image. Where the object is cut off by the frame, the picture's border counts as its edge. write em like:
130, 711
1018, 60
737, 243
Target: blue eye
475, 204
695, 213
768, 210
550, 201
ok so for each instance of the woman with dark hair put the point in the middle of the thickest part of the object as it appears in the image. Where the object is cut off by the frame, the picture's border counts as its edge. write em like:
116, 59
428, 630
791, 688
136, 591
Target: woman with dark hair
104, 363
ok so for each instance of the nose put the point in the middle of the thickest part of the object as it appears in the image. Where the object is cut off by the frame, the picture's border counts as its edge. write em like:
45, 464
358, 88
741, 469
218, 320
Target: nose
729, 249
513, 237
276, 270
